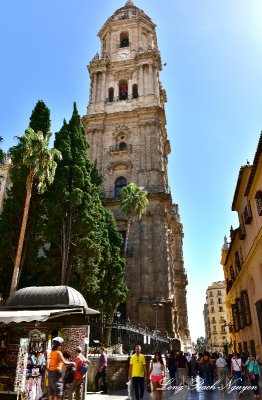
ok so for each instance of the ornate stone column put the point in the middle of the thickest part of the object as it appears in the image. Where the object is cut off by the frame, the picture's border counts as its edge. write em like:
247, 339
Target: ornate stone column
116, 88
156, 83
94, 83
141, 81
129, 88
103, 84
139, 36
151, 79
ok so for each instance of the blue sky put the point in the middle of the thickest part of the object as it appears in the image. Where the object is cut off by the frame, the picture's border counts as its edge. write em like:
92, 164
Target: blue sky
213, 81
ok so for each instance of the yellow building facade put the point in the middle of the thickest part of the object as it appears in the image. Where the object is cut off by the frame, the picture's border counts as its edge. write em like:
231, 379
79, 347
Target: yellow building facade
242, 260
217, 334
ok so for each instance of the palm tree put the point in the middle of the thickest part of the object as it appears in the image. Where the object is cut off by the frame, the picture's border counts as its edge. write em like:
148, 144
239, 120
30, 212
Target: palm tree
33, 153
133, 204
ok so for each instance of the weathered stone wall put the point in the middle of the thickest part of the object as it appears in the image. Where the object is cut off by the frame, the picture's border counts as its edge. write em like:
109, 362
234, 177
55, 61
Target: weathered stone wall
117, 372
154, 271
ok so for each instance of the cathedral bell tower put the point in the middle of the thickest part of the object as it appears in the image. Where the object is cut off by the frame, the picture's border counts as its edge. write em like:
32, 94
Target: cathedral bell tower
125, 126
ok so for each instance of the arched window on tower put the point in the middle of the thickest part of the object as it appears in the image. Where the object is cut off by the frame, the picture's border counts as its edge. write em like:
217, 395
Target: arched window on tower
119, 183
111, 94
124, 39
135, 91
123, 90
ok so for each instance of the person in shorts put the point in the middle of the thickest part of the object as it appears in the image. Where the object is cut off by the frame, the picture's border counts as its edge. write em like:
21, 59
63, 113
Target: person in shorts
55, 362
157, 372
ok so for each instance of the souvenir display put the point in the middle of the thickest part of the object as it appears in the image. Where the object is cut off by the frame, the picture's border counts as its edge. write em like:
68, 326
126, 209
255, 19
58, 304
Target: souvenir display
21, 368
22, 362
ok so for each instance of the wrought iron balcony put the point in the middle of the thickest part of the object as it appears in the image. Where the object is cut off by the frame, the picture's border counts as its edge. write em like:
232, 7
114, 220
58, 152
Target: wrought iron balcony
120, 148
248, 214
242, 231
123, 96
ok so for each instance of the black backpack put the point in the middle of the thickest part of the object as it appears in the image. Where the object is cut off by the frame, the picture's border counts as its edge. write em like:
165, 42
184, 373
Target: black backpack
69, 375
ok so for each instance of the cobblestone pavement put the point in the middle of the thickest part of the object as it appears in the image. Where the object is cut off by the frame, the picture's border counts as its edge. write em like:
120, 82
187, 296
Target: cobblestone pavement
193, 392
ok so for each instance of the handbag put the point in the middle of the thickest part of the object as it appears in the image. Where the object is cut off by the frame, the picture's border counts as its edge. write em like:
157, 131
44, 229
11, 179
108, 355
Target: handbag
252, 376
148, 386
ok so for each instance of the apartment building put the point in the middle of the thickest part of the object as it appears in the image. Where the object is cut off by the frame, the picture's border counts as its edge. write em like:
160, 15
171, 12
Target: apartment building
217, 333
242, 260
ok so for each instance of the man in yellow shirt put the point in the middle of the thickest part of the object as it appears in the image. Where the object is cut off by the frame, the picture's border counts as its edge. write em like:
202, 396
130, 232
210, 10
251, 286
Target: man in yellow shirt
137, 371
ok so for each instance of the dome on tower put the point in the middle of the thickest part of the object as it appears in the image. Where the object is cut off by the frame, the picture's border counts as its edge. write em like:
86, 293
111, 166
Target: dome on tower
128, 12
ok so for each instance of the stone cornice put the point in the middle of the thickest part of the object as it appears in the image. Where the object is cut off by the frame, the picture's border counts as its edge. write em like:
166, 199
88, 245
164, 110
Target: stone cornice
125, 73
254, 166
138, 112
150, 57
147, 56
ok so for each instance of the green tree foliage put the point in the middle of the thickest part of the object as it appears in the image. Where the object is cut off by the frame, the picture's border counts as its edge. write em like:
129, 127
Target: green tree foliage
12, 214
40, 118
32, 152
85, 244
133, 204
68, 223
201, 345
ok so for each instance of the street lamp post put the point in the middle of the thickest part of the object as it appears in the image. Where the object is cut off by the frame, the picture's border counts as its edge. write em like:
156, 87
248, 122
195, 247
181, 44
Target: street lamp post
156, 307
118, 314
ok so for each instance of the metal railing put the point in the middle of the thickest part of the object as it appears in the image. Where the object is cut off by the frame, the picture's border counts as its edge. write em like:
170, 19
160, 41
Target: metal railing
129, 335
121, 97
120, 147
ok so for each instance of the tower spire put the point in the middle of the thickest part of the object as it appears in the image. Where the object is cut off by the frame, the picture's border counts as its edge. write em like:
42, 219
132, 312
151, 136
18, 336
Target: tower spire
129, 3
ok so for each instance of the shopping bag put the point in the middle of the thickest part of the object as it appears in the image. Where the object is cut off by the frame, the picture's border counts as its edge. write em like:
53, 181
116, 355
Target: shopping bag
148, 386
130, 389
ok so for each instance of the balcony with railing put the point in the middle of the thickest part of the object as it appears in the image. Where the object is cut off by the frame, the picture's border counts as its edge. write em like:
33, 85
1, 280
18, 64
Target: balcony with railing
119, 148
242, 231
122, 96
248, 214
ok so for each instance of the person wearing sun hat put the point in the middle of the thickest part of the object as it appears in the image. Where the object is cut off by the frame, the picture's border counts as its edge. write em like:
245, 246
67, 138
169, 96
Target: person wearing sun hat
55, 362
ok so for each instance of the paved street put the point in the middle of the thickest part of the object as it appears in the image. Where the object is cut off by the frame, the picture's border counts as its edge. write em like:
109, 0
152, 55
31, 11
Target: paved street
180, 393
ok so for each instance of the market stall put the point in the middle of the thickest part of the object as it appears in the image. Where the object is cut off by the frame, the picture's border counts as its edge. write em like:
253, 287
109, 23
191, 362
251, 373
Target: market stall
29, 320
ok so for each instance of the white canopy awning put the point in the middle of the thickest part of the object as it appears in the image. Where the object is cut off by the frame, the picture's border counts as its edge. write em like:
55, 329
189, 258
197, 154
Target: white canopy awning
36, 315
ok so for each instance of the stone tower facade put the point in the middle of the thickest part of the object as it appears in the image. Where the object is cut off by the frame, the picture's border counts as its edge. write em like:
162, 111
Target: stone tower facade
125, 126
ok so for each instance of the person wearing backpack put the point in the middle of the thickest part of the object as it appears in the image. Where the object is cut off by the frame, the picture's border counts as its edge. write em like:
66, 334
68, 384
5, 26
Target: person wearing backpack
81, 369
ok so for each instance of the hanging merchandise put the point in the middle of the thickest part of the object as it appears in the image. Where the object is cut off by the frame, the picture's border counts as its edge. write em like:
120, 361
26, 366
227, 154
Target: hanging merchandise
21, 369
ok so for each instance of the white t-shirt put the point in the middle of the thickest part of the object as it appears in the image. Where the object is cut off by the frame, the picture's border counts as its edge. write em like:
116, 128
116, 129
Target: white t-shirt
221, 362
157, 369
236, 363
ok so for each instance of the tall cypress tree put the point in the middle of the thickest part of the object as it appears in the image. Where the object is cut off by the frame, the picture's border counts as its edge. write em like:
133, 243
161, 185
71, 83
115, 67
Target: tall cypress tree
85, 243
40, 118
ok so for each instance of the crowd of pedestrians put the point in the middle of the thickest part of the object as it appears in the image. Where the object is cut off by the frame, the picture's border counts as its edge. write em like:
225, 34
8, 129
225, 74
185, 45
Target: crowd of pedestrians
183, 369
215, 367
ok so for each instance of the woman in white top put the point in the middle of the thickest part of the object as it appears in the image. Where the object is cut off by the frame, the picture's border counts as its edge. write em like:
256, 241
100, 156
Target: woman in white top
157, 372
236, 369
